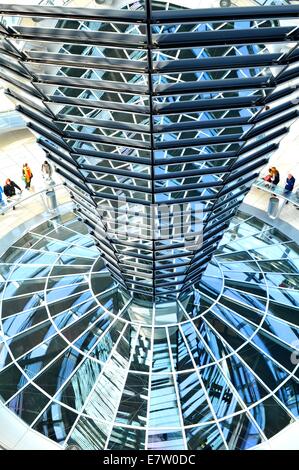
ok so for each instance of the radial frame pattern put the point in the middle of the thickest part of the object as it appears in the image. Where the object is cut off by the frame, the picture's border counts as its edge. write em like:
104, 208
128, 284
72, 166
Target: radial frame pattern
223, 377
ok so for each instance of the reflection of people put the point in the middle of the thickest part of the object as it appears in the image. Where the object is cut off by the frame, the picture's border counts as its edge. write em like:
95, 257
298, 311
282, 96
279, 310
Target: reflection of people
46, 170
27, 175
10, 189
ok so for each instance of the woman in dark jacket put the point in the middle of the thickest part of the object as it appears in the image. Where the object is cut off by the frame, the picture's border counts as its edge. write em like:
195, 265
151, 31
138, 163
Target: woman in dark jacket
275, 176
10, 188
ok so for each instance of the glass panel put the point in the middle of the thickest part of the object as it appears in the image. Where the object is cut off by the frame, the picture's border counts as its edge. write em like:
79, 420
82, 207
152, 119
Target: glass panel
28, 403
197, 347
270, 417
11, 380
106, 395
288, 394
18, 323
78, 387
126, 439
89, 434
24, 342
55, 422
195, 408
167, 440
33, 362
161, 358
14, 288
134, 401
56, 374
221, 396
246, 384
240, 433
204, 438
163, 402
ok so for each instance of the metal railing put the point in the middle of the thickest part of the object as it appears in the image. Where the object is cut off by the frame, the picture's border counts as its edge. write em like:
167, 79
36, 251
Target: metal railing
292, 197
248, 3
13, 204
54, 2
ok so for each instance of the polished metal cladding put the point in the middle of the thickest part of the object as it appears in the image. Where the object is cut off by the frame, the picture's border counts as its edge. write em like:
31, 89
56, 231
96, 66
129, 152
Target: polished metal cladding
146, 109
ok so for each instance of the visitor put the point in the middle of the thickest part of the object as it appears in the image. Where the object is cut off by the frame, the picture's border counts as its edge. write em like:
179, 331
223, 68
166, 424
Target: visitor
27, 175
268, 177
10, 190
290, 183
47, 171
275, 176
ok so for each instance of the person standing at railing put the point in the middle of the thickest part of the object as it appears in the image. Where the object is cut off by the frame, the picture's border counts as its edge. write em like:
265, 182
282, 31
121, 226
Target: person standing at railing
289, 186
275, 176
268, 177
10, 190
27, 175
290, 183
47, 171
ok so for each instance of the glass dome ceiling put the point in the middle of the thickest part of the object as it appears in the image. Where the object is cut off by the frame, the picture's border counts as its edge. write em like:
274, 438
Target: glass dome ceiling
85, 367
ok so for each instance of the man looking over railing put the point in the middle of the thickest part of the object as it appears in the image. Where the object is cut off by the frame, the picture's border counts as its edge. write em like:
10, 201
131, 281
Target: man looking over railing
290, 183
10, 189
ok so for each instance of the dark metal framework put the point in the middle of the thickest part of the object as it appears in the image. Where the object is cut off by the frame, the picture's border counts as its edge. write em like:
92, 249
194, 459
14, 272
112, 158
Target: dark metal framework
160, 107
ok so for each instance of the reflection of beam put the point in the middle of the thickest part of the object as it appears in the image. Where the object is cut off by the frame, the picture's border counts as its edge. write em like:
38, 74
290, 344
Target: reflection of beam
10, 121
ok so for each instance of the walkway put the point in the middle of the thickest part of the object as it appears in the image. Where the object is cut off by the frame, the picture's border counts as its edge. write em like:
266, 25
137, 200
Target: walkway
17, 148
286, 160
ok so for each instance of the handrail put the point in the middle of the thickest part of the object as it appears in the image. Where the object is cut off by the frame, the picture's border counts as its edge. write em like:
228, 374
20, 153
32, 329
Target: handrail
11, 204
278, 191
52, 2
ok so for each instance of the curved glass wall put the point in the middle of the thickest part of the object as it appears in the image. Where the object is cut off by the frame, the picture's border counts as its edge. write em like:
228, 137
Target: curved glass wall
84, 364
